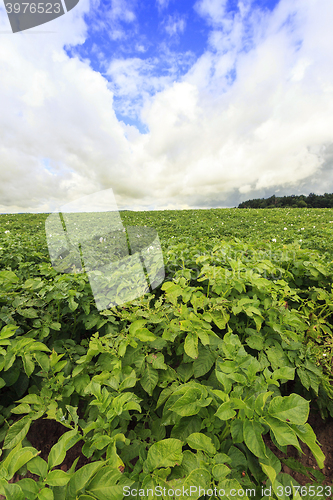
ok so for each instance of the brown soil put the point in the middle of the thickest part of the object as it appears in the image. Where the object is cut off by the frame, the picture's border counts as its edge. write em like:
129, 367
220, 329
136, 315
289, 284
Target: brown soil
43, 434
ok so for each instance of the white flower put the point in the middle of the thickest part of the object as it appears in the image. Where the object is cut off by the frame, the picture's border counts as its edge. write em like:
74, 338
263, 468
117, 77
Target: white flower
324, 354
101, 239
314, 227
285, 229
300, 241
302, 228
274, 239
7, 231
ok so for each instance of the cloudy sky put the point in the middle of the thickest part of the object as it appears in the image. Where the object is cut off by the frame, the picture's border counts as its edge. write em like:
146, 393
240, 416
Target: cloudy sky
170, 103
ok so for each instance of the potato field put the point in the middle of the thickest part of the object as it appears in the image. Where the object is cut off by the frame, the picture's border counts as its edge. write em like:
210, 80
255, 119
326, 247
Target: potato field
216, 384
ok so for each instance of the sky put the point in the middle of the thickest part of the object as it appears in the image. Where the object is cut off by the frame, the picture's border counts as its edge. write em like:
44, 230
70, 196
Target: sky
172, 104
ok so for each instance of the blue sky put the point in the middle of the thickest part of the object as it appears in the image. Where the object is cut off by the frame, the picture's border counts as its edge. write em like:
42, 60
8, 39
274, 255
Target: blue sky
172, 104
162, 38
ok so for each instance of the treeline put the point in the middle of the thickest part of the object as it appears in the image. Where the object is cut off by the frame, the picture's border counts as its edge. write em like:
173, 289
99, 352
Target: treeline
292, 201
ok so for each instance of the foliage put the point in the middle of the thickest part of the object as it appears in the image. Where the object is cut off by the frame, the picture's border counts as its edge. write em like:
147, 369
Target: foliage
178, 387
300, 201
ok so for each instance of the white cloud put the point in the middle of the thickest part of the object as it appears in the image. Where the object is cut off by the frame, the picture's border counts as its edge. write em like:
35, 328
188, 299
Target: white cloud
213, 10
58, 108
162, 4
264, 130
112, 19
174, 25
135, 80
240, 121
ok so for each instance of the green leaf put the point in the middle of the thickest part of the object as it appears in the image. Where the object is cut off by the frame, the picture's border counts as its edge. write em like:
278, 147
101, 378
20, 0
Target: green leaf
165, 453
165, 394
220, 471
56, 455
103, 485
269, 470
224, 381
8, 331
38, 346
28, 364
255, 342
32, 399
199, 441
253, 438
81, 478
293, 464
185, 371
283, 433
149, 379
57, 478
72, 304
43, 361
203, 364
191, 345
20, 458
293, 408
284, 373
306, 434
15, 459
13, 492
261, 401
101, 441
236, 428
28, 313
23, 408
17, 432
55, 326
185, 427
45, 494
238, 404
220, 318
29, 487
8, 277
203, 336
225, 411
38, 466
197, 478
81, 382
189, 403
157, 361
137, 325
144, 335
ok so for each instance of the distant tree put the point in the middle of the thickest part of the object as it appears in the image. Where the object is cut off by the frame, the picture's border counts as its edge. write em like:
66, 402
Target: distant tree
311, 201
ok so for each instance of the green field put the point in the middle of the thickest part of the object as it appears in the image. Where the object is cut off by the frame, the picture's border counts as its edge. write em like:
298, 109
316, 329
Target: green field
179, 386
